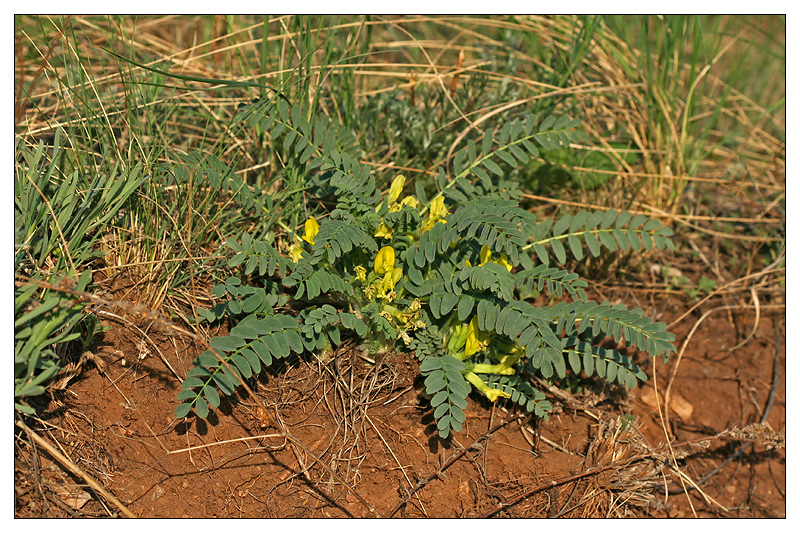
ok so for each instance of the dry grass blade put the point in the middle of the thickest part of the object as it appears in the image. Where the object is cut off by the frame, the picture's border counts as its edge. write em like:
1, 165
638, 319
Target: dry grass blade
630, 489
72, 467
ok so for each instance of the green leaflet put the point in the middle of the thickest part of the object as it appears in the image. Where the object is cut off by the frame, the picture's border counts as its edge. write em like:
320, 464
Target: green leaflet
616, 231
444, 380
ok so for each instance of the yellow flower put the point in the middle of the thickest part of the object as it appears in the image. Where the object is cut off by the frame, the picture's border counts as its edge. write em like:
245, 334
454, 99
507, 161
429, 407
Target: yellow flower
438, 209
476, 341
407, 201
486, 254
410, 316
384, 261
494, 394
385, 287
437, 213
410, 201
384, 266
384, 231
311, 230
504, 261
361, 274
396, 188
490, 393
486, 257
295, 251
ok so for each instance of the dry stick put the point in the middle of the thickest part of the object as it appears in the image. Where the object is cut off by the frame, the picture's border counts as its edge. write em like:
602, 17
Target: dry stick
557, 482
230, 441
74, 469
396, 460
454, 84
756, 321
449, 462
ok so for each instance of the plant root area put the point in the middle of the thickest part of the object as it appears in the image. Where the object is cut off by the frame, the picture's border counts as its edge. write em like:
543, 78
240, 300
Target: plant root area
708, 440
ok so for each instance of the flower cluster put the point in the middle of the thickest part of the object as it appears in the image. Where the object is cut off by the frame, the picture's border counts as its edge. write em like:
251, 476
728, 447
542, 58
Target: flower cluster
380, 287
486, 257
437, 212
466, 340
384, 266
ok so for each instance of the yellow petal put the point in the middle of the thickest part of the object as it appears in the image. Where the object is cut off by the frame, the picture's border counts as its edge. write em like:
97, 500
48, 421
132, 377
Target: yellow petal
394, 275
385, 287
437, 213
473, 344
438, 209
410, 201
430, 223
504, 261
494, 394
384, 231
486, 254
490, 393
361, 273
384, 261
295, 251
396, 188
311, 230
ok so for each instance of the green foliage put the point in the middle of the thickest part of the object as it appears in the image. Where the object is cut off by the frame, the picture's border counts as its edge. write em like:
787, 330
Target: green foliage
611, 229
58, 218
42, 321
439, 273
444, 381
79, 207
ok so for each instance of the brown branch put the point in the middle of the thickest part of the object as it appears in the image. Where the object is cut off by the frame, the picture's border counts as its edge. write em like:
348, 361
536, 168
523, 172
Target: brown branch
455, 457
561, 481
72, 467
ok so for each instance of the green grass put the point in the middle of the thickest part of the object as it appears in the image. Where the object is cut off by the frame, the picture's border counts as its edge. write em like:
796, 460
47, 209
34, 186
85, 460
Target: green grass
684, 118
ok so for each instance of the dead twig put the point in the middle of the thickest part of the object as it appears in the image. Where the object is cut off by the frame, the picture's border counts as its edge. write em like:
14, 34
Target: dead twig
558, 482
453, 458
72, 467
